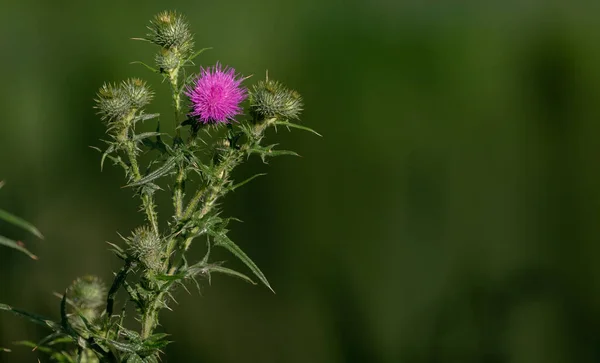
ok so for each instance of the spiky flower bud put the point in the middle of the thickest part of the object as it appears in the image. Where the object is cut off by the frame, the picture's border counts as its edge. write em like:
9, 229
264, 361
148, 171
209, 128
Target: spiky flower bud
137, 92
87, 292
166, 60
145, 246
114, 102
171, 31
270, 99
87, 295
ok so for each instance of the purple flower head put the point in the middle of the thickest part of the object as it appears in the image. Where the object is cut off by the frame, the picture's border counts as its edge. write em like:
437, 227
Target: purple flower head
216, 95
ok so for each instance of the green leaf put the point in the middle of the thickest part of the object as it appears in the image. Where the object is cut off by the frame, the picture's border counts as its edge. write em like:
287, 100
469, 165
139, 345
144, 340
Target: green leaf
134, 358
145, 135
34, 346
222, 240
55, 338
17, 246
193, 56
296, 126
267, 151
207, 269
64, 319
146, 116
163, 277
234, 187
281, 152
144, 64
124, 347
32, 317
163, 170
118, 281
151, 359
2, 183
19, 222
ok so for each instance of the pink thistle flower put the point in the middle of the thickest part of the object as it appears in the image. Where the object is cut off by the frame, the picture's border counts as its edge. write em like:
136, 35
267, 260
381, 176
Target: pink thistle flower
216, 95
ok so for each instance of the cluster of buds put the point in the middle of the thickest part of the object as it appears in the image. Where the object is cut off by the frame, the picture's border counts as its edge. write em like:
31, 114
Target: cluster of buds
171, 32
117, 104
87, 296
271, 100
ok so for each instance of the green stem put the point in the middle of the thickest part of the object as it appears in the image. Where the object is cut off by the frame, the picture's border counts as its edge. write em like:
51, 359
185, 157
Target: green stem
150, 317
179, 181
149, 320
146, 199
174, 81
178, 193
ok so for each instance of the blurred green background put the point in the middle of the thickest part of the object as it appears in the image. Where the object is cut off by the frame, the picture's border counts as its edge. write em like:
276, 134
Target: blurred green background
450, 213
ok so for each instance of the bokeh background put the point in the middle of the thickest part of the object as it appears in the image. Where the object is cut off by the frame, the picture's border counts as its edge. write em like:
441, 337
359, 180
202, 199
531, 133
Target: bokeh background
450, 213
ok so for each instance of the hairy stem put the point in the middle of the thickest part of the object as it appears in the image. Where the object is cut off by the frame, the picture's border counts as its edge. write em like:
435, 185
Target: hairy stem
178, 193
147, 200
179, 181
149, 321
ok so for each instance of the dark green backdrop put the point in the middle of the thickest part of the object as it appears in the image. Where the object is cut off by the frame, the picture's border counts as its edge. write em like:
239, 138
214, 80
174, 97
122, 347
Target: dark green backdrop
450, 213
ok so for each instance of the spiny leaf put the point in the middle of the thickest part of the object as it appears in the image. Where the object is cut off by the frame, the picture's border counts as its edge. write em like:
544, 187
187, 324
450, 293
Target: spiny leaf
224, 241
142, 63
234, 187
146, 116
296, 126
119, 280
53, 339
268, 151
281, 152
64, 318
193, 56
134, 358
17, 246
145, 135
124, 347
19, 222
163, 277
207, 269
32, 317
164, 169
34, 346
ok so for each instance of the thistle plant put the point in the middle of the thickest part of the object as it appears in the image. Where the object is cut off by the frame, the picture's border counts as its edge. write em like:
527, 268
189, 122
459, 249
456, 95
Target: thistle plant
214, 134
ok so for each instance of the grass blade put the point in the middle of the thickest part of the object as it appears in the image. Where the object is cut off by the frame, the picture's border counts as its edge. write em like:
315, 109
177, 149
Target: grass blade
17, 246
19, 222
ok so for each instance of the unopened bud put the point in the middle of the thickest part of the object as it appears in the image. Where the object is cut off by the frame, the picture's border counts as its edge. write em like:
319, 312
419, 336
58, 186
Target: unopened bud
171, 31
112, 102
145, 246
138, 94
87, 292
270, 99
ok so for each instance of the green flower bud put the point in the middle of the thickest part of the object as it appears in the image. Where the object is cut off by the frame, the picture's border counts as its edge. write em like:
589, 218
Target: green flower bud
112, 102
87, 292
115, 102
87, 295
171, 31
167, 60
138, 94
145, 246
270, 99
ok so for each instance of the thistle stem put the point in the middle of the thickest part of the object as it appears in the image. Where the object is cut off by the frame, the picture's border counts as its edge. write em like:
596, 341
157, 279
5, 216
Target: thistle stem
178, 192
179, 181
146, 199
